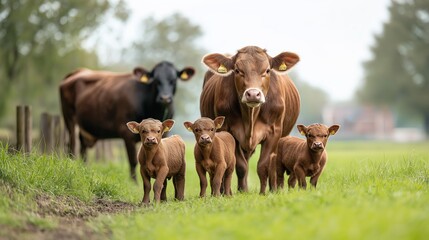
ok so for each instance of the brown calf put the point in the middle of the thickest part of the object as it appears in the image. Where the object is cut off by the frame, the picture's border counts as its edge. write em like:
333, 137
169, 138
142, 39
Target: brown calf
214, 153
160, 158
301, 158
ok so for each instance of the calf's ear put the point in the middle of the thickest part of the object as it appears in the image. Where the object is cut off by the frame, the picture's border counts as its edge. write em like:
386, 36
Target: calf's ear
284, 61
219, 64
188, 125
333, 129
186, 73
134, 127
219, 121
167, 125
142, 75
302, 129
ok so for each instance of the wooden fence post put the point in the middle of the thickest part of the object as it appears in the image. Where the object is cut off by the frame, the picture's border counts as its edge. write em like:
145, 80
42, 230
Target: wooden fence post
28, 129
20, 128
46, 133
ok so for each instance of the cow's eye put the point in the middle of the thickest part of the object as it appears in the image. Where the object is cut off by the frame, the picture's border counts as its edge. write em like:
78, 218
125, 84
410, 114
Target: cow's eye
237, 71
212, 129
268, 71
197, 130
159, 131
144, 131
325, 136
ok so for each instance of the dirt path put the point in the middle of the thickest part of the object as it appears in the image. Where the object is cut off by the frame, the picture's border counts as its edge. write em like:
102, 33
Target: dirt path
71, 215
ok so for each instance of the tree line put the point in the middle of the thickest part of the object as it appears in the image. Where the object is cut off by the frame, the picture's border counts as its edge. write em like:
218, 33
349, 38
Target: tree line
42, 41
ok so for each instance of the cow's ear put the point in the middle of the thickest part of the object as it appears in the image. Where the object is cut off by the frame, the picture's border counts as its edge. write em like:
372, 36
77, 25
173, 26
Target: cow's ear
333, 129
186, 73
219, 121
284, 61
142, 75
134, 127
167, 125
188, 125
302, 129
219, 64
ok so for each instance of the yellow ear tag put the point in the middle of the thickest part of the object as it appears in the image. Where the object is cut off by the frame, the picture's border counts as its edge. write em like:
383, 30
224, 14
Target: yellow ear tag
218, 126
221, 69
302, 133
166, 129
184, 75
189, 129
332, 132
144, 79
282, 67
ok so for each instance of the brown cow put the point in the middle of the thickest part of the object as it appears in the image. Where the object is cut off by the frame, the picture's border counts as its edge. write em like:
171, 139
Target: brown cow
214, 153
160, 158
100, 103
301, 158
260, 103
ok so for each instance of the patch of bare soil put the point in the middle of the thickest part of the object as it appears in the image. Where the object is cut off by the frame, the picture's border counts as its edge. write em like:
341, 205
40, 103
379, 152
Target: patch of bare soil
71, 216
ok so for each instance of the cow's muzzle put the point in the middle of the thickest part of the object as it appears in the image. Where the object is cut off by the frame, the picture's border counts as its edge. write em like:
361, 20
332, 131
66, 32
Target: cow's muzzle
317, 146
165, 99
149, 141
253, 97
205, 139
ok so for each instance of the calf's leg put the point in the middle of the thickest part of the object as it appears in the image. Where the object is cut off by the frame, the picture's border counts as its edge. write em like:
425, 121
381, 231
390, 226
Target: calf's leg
158, 185
217, 178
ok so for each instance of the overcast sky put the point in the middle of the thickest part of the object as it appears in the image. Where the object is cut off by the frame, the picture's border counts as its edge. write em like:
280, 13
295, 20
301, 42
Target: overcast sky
332, 37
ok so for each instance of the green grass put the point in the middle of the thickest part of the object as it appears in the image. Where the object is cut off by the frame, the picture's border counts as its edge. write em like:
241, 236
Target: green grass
369, 190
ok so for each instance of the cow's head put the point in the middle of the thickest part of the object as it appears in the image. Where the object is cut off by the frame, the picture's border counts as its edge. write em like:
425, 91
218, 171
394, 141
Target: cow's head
164, 75
252, 68
150, 130
317, 135
204, 129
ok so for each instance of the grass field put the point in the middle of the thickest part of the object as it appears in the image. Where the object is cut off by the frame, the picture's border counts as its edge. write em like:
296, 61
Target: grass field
369, 190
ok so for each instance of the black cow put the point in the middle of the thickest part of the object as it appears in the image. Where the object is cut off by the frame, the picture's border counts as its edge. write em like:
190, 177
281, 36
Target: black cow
101, 103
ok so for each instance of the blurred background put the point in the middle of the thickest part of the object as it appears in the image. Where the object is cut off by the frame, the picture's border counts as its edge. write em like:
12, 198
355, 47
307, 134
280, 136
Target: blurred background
364, 64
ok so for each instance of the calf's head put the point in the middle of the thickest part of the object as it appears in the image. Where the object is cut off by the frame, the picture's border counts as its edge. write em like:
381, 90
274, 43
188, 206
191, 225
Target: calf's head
150, 130
164, 76
204, 129
252, 69
317, 135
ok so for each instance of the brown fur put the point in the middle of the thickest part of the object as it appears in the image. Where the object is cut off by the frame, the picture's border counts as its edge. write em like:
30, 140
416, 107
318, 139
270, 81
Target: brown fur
259, 116
214, 153
160, 158
303, 158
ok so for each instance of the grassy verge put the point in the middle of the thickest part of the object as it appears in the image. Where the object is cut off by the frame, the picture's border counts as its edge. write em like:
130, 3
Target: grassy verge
368, 191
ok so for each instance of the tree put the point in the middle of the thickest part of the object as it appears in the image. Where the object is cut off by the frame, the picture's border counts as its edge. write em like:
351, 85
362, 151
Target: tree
37, 35
173, 39
398, 73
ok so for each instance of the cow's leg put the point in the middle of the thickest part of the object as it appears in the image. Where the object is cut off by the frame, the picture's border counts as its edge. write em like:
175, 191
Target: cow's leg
70, 125
268, 149
146, 186
227, 181
164, 191
241, 169
292, 180
83, 148
179, 185
132, 157
217, 178
159, 182
203, 179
